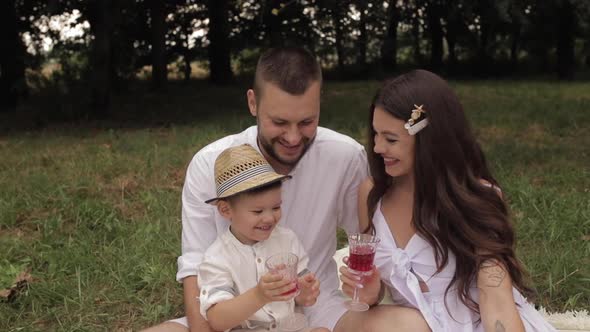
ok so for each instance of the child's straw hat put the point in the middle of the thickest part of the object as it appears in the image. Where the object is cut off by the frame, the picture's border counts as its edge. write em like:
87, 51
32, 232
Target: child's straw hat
242, 168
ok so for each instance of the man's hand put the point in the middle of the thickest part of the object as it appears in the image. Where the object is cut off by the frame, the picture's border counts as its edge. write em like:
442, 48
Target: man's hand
309, 287
368, 286
272, 288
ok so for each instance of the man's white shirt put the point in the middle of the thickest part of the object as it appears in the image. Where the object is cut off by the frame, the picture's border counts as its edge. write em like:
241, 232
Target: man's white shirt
320, 197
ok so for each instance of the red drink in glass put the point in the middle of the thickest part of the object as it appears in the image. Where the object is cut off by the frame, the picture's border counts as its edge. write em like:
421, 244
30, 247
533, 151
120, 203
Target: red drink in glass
285, 264
362, 249
361, 258
295, 289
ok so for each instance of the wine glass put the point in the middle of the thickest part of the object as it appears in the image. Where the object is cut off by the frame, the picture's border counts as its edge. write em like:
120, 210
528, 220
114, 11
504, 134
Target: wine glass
285, 264
360, 261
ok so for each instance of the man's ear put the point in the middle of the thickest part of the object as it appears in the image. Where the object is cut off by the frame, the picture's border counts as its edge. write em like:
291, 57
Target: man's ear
224, 209
251, 96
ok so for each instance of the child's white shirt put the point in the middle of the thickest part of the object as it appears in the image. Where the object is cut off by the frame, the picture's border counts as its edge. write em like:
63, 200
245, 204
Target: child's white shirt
230, 268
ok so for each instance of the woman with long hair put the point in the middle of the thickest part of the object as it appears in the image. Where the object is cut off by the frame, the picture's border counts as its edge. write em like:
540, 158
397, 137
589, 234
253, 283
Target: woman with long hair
447, 244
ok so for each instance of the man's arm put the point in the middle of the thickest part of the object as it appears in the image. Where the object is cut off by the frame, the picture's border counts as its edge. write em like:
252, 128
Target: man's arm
496, 301
198, 218
198, 232
196, 322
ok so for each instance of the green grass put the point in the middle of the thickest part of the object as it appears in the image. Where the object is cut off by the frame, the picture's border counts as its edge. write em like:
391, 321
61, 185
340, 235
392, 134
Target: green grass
94, 214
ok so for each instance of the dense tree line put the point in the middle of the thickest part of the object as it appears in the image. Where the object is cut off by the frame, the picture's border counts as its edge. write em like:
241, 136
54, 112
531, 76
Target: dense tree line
352, 38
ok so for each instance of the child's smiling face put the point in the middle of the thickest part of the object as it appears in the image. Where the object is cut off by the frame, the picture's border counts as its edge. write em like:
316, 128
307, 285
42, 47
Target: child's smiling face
253, 216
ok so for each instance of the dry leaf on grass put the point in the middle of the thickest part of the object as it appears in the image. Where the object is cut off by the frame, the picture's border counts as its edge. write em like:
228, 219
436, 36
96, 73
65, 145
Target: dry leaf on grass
19, 284
5, 293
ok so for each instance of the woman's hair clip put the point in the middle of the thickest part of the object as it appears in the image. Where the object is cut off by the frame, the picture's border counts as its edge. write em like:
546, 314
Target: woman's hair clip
414, 124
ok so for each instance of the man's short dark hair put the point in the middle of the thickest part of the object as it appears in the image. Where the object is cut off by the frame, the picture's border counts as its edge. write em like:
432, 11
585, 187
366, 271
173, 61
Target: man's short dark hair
292, 69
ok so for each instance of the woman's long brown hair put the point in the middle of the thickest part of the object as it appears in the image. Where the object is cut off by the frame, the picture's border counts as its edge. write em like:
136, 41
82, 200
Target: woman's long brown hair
453, 210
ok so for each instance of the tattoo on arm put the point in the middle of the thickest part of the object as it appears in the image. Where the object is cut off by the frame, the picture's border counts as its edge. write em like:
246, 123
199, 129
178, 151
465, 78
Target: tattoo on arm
494, 274
499, 327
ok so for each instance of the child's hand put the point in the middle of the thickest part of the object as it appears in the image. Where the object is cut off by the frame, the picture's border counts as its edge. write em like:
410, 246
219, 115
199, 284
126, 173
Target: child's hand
309, 287
368, 286
272, 288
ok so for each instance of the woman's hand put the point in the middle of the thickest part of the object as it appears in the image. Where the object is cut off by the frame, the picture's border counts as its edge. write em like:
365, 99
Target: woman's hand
309, 287
368, 286
272, 288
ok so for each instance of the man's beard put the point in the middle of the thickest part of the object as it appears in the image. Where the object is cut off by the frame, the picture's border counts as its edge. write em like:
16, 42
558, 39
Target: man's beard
268, 148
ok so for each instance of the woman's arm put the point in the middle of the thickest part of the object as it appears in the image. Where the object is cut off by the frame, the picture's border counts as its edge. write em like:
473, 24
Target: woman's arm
363, 209
371, 289
496, 302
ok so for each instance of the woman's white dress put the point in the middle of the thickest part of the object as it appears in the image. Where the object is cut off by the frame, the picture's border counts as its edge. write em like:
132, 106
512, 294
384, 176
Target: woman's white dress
401, 268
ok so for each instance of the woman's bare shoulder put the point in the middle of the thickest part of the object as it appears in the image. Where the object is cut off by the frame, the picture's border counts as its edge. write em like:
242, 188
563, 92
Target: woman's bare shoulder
366, 186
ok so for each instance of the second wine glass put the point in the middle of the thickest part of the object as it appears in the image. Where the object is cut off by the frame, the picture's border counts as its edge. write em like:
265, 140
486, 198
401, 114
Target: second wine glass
360, 261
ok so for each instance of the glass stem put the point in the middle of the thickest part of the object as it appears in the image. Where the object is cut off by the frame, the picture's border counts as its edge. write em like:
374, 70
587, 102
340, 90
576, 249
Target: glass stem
355, 294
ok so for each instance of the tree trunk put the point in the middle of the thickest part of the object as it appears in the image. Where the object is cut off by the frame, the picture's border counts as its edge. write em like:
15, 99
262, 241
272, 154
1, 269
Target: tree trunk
12, 68
416, 41
451, 42
565, 41
337, 19
101, 27
515, 44
272, 23
158, 34
362, 41
389, 48
188, 55
187, 70
452, 31
483, 57
219, 50
433, 13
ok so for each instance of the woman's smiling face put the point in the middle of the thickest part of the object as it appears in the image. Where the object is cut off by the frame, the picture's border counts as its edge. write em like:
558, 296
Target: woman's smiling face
393, 144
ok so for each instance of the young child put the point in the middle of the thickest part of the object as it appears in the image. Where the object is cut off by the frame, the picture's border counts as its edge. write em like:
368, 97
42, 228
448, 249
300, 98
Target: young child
447, 244
236, 290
